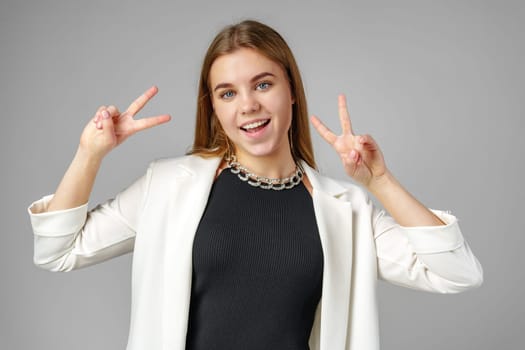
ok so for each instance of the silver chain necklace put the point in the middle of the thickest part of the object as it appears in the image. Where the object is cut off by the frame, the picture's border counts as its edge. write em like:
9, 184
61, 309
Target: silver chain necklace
264, 182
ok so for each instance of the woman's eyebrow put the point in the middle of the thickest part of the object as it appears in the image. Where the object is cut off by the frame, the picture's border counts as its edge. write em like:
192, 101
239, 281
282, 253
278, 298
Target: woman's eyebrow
257, 77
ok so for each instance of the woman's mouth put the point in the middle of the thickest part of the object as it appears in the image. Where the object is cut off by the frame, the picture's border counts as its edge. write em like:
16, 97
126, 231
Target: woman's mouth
254, 127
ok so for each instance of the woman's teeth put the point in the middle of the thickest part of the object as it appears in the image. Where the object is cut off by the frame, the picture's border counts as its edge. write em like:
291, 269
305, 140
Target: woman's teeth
255, 125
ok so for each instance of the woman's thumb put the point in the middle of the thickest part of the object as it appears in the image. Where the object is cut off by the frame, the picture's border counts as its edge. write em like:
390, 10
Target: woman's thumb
108, 127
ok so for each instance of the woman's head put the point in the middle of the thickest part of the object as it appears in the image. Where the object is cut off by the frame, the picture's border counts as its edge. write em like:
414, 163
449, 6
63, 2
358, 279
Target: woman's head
210, 137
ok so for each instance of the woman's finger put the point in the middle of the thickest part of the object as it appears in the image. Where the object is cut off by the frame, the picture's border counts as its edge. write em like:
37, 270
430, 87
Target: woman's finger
113, 111
97, 116
344, 116
141, 101
368, 142
325, 133
106, 122
350, 161
146, 123
102, 116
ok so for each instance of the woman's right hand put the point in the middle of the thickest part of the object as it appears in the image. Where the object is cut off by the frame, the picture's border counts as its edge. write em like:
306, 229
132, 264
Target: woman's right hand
109, 128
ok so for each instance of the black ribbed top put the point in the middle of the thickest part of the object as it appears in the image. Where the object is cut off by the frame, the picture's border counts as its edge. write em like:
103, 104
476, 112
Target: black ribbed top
257, 269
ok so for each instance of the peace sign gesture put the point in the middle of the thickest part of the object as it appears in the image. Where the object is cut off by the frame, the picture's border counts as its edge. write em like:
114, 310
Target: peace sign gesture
109, 128
360, 154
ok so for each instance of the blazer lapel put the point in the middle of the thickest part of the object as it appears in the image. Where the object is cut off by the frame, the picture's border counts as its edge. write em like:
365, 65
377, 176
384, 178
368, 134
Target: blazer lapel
189, 197
334, 220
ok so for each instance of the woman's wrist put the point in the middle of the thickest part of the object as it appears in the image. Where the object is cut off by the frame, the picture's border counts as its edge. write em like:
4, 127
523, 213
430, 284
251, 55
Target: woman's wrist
381, 184
88, 158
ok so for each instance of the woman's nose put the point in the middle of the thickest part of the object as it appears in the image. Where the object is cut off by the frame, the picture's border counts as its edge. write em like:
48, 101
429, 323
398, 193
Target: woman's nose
249, 105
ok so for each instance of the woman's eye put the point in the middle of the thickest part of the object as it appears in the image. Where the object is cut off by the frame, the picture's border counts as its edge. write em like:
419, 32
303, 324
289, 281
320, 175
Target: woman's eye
227, 94
264, 85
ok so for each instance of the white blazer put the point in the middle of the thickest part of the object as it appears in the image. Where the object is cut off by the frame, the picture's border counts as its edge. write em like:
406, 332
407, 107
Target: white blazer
157, 217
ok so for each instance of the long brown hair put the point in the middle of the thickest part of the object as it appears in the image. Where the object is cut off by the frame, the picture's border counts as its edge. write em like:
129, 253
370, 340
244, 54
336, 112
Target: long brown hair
210, 139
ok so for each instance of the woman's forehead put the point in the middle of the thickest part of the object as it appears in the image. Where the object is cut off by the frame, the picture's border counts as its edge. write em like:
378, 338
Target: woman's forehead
242, 65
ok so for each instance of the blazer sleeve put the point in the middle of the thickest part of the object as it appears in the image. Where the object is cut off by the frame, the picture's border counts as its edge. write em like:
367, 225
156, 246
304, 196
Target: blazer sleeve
74, 238
430, 258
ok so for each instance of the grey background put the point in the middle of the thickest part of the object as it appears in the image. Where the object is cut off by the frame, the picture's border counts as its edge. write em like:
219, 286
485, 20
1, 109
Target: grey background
439, 84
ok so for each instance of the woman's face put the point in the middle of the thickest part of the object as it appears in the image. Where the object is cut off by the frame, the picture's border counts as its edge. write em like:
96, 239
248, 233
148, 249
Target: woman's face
252, 99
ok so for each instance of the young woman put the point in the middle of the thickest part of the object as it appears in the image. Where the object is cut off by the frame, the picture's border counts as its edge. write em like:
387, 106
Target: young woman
242, 244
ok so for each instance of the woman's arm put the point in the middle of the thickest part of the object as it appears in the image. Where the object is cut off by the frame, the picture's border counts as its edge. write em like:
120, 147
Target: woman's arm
401, 205
415, 247
108, 129
431, 258
73, 238
364, 162
76, 185
66, 235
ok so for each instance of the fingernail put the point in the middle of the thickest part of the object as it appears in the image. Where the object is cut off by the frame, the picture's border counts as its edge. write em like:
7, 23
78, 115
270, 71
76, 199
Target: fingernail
99, 125
105, 114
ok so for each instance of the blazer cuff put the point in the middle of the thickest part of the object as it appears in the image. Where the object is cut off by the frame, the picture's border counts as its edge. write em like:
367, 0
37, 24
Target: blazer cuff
56, 223
435, 239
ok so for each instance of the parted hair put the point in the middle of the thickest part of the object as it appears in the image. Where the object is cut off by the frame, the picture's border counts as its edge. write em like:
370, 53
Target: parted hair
210, 139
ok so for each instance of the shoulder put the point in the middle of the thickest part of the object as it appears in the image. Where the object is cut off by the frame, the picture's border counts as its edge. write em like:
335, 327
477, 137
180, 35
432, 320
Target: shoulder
176, 175
339, 188
181, 166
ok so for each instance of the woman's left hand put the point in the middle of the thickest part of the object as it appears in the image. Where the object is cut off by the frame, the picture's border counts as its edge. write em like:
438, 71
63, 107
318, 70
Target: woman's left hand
360, 154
